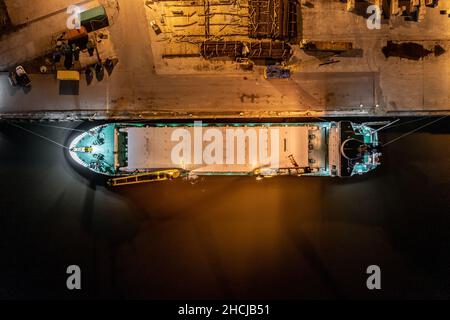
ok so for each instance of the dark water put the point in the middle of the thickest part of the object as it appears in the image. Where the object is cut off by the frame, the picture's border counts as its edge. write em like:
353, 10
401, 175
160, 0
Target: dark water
226, 237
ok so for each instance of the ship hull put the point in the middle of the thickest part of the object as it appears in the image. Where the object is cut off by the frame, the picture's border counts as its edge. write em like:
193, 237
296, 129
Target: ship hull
268, 149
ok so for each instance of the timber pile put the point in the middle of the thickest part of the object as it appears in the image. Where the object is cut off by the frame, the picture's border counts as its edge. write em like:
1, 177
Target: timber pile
254, 50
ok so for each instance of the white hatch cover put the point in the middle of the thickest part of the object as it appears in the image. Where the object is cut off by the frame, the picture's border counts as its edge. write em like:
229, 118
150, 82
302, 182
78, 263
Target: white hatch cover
151, 148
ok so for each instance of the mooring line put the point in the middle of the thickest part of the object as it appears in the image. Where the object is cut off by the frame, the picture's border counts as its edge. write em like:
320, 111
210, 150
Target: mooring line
415, 130
38, 135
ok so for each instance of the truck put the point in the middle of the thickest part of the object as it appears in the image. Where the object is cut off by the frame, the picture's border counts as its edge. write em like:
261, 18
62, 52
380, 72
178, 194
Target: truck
94, 18
277, 72
155, 27
19, 77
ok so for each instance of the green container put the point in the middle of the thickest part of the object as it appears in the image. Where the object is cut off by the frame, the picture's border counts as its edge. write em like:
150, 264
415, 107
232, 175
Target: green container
94, 19
97, 13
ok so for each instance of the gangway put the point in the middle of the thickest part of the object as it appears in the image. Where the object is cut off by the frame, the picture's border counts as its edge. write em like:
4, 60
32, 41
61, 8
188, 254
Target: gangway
145, 177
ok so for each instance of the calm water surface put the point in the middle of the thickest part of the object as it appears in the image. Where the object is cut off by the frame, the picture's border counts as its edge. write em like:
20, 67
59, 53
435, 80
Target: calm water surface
225, 237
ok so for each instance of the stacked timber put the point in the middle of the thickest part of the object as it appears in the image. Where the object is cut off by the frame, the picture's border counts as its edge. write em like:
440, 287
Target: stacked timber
254, 50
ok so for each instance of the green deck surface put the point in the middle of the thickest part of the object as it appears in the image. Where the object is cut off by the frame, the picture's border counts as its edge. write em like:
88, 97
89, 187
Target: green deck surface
102, 141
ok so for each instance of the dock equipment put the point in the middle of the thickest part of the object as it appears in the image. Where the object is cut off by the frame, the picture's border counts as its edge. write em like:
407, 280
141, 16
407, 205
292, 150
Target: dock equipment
146, 177
411, 10
77, 36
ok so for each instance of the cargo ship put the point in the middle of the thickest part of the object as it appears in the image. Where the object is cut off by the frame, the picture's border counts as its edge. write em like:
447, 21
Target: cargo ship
139, 152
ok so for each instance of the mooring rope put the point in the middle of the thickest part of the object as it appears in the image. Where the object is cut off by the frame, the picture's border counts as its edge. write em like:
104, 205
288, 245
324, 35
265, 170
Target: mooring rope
415, 130
39, 135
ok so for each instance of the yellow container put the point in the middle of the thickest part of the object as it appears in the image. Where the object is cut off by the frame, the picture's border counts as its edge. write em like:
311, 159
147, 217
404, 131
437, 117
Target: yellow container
68, 75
